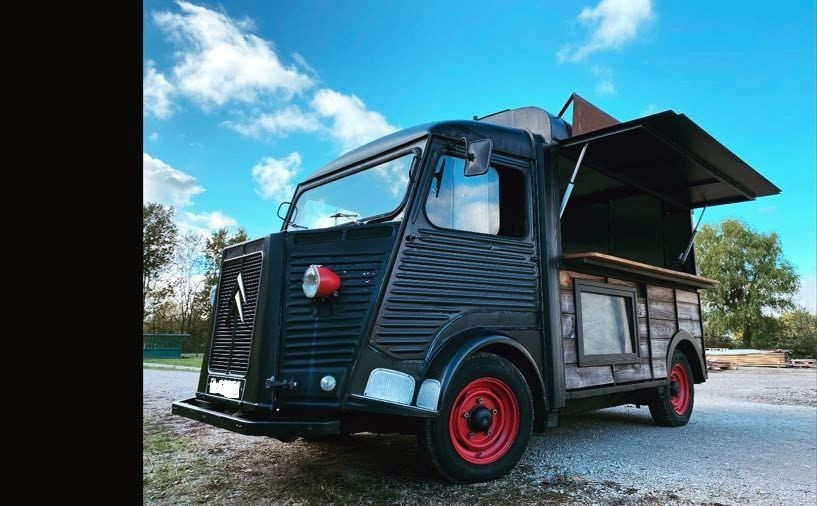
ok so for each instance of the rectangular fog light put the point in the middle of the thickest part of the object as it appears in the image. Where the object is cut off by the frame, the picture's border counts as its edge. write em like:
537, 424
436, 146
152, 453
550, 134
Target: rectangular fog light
389, 385
429, 394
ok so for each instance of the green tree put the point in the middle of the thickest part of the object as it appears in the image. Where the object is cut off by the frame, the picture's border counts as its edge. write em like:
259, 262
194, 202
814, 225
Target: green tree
799, 333
755, 279
158, 240
186, 273
213, 247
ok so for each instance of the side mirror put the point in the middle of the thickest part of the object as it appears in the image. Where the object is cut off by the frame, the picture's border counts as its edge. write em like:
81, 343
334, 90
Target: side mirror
283, 215
478, 157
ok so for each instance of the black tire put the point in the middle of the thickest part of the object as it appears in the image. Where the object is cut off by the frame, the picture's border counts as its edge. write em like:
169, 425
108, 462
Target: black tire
434, 436
661, 408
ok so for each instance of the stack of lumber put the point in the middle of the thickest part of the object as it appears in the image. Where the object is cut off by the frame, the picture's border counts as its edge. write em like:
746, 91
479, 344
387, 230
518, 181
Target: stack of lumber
750, 358
720, 365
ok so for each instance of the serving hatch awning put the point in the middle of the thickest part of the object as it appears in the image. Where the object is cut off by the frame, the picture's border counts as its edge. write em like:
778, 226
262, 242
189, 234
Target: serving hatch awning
667, 155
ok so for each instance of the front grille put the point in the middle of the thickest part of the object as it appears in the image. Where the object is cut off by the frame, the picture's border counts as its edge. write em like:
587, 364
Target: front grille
232, 339
323, 333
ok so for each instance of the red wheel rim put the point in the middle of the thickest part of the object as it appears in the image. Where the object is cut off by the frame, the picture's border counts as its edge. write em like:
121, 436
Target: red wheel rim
679, 399
488, 445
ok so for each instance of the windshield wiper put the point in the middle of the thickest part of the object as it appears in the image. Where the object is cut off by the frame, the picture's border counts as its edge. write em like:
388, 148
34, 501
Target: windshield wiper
344, 215
348, 216
295, 225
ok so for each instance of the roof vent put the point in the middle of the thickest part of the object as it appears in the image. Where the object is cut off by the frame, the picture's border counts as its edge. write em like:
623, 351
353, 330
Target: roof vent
534, 119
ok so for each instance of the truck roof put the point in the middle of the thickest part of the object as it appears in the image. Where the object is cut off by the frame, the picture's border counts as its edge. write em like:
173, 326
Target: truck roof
512, 140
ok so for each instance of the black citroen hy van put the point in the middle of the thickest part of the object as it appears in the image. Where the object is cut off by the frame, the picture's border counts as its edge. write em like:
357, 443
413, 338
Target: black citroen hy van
470, 282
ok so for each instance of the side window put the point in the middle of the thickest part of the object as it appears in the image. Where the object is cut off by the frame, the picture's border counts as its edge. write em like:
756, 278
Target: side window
493, 203
605, 323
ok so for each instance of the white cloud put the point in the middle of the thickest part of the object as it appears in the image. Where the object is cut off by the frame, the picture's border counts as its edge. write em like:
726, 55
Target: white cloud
605, 85
220, 61
163, 184
154, 136
204, 223
352, 123
156, 91
807, 297
303, 64
274, 176
649, 110
613, 22
207, 221
287, 120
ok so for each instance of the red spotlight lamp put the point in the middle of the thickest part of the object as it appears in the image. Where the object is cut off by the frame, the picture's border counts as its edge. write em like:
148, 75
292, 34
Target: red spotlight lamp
320, 282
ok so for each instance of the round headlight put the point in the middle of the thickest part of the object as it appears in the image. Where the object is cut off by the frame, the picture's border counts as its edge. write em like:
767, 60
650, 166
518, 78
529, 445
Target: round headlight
312, 279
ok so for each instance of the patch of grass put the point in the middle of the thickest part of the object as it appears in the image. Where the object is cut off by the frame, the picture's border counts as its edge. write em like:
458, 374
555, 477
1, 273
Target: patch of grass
184, 361
157, 440
161, 465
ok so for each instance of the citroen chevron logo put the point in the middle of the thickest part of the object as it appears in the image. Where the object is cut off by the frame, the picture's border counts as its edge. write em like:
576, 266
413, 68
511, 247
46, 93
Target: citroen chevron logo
240, 297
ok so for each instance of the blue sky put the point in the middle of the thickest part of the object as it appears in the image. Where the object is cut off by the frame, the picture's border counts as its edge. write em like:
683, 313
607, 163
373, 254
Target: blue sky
244, 99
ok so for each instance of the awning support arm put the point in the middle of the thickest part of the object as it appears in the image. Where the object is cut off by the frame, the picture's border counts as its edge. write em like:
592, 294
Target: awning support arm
682, 258
570, 185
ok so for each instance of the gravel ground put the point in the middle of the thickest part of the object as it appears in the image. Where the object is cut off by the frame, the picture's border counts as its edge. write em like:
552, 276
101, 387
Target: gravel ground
751, 440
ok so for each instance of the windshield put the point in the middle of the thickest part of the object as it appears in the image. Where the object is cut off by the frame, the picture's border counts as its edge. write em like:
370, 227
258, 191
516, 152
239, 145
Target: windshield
373, 193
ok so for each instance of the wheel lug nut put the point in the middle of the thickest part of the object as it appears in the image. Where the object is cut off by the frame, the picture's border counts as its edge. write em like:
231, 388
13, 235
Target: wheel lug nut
479, 400
466, 414
494, 411
470, 434
489, 432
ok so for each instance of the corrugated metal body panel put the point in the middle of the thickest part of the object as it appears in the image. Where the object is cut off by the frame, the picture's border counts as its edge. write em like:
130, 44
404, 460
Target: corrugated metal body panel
440, 275
327, 333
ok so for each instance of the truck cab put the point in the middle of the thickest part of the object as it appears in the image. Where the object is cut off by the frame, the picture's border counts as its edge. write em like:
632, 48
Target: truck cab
470, 281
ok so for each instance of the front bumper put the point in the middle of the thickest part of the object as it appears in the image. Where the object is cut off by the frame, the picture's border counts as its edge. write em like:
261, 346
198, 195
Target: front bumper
276, 427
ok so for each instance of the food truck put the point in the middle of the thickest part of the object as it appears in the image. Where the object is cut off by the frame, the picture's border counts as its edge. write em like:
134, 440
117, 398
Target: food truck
471, 281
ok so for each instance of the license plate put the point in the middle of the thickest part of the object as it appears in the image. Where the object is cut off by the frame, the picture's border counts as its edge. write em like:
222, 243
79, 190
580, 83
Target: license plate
228, 388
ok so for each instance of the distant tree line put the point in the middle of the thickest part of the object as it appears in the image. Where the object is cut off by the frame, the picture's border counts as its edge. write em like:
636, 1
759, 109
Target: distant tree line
178, 271
754, 304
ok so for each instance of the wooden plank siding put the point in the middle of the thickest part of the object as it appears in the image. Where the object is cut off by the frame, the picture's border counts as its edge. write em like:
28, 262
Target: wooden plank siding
582, 377
663, 312
689, 315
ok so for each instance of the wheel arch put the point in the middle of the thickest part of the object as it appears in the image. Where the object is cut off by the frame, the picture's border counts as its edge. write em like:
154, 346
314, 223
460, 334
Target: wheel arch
446, 361
684, 342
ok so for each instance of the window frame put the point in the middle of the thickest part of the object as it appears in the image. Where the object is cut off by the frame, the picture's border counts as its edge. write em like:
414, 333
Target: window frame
581, 286
522, 168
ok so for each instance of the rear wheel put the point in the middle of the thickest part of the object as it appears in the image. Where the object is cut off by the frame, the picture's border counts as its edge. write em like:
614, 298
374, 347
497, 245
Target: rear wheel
484, 424
673, 405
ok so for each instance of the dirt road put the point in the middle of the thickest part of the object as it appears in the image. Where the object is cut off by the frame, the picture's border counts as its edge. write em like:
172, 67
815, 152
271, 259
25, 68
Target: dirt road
751, 440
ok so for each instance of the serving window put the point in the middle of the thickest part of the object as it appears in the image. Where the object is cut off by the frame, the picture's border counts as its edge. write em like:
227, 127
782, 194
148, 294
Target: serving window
606, 323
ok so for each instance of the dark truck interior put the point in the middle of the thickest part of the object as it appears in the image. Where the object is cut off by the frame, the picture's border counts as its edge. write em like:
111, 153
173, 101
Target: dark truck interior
642, 178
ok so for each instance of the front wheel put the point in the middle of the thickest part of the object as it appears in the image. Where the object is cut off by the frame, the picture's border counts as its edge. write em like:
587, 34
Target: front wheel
673, 405
484, 424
